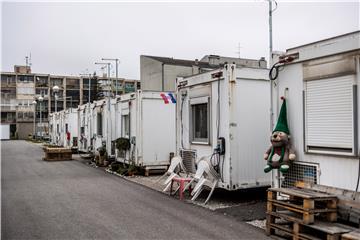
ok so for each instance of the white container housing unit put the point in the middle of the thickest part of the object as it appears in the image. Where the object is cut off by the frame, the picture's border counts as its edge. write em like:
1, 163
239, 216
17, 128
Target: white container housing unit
148, 121
61, 124
320, 82
226, 108
54, 128
70, 128
96, 124
92, 124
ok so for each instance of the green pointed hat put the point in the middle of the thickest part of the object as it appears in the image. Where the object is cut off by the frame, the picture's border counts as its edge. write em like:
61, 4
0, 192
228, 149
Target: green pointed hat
282, 124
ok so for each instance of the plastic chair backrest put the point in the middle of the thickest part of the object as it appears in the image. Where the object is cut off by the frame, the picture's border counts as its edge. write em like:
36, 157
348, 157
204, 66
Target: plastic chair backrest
202, 167
175, 161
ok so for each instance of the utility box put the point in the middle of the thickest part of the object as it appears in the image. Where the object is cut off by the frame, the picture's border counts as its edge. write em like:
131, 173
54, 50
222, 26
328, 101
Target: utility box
5, 131
228, 110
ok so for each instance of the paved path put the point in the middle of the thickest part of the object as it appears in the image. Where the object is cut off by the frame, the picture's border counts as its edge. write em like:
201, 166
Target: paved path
69, 200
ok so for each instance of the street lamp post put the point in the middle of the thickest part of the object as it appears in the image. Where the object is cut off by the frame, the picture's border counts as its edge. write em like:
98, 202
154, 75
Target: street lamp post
117, 61
108, 68
41, 128
34, 103
109, 133
56, 91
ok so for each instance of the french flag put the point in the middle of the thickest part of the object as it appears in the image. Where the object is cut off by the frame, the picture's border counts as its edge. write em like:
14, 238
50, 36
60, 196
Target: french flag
168, 97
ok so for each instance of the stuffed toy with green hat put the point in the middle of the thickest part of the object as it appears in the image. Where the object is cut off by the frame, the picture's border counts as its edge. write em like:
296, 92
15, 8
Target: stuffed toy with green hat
280, 154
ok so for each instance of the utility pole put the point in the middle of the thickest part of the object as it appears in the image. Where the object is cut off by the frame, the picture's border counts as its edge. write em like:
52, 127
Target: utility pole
239, 48
275, 175
271, 10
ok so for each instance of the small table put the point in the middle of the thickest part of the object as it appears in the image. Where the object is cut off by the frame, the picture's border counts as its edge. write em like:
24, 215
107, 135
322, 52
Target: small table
181, 181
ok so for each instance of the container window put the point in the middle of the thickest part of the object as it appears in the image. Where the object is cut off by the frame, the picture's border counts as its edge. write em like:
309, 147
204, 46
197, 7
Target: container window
125, 125
200, 122
330, 106
99, 124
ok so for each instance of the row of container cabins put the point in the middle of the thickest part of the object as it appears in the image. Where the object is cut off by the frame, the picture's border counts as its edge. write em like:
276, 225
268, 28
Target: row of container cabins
230, 106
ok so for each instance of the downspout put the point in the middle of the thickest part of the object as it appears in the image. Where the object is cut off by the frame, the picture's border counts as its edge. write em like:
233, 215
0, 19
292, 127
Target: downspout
162, 77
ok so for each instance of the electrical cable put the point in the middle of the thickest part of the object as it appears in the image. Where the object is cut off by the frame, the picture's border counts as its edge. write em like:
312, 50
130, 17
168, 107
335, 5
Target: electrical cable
275, 68
218, 110
358, 178
222, 169
181, 121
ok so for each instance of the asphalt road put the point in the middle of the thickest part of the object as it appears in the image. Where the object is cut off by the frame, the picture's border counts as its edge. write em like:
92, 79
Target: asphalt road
69, 200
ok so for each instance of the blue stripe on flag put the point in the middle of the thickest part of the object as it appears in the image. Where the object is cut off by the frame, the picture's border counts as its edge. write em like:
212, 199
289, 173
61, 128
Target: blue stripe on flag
172, 98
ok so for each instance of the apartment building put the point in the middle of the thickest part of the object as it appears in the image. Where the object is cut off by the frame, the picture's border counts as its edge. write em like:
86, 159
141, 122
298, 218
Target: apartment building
22, 88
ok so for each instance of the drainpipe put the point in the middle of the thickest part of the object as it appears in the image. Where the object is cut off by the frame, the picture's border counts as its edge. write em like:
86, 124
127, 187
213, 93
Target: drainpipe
162, 77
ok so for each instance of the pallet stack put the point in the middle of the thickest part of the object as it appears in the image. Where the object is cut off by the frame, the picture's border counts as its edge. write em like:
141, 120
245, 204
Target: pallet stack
303, 214
57, 154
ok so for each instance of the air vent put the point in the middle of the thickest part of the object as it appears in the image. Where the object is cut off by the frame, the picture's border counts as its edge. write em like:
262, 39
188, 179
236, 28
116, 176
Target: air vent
300, 171
189, 158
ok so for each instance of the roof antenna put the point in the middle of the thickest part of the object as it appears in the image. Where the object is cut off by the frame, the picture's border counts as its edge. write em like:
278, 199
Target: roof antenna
239, 47
28, 60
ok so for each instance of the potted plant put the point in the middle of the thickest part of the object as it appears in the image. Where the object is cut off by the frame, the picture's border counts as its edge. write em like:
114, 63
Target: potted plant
102, 155
122, 145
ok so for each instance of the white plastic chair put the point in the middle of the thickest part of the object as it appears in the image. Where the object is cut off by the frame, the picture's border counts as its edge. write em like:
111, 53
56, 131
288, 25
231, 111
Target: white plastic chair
176, 166
205, 176
201, 166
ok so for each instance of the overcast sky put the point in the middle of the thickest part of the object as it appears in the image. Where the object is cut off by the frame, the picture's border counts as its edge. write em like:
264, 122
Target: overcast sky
67, 38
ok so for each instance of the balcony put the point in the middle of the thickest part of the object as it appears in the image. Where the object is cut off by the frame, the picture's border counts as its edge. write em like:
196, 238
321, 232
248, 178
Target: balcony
6, 120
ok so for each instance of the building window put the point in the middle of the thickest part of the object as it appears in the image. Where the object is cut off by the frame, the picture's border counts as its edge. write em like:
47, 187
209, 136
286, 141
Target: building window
25, 79
329, 115
129, 87
99, 124
125, 125
200, 119
26, 90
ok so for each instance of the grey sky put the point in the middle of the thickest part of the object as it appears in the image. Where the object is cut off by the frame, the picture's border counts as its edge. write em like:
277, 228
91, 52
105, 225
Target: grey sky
67, 38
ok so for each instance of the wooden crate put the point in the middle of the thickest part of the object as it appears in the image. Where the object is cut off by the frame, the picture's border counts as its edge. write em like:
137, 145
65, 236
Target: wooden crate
57, 154
302, 203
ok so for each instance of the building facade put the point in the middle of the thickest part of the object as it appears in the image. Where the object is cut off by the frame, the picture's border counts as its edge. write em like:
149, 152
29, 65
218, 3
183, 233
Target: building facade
19, 90
160, 73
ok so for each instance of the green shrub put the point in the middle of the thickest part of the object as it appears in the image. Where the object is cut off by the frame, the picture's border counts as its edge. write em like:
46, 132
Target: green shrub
123, 144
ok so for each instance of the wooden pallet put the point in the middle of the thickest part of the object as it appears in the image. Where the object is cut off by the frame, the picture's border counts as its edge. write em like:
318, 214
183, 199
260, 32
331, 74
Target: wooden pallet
296, 230
348, 205
155, 169
306, 204
354, 235
57, 154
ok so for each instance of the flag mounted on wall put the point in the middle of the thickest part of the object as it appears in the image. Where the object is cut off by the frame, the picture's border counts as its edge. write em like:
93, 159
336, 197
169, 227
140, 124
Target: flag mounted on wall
168, 97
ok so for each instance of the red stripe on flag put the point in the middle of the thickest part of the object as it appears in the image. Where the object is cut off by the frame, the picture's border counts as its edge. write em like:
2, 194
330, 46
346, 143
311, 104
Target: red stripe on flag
164, 98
